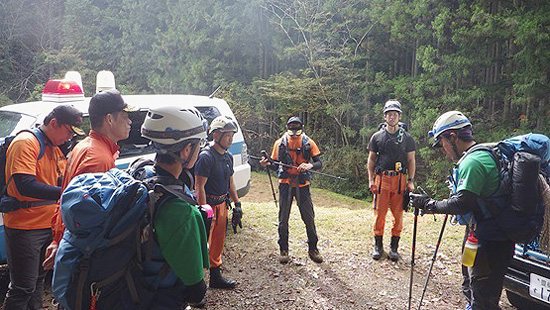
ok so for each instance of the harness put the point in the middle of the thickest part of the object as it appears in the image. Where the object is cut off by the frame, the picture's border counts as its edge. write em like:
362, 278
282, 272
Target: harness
384, 149
285, 157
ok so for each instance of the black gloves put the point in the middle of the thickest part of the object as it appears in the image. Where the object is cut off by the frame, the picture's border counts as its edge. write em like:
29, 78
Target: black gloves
406, 201
236, 218
423, 202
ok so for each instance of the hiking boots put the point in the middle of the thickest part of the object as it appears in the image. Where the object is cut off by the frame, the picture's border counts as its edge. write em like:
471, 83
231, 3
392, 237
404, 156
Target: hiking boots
394, 256
283, 259
315, 256
217, 281
201, 304
378, 248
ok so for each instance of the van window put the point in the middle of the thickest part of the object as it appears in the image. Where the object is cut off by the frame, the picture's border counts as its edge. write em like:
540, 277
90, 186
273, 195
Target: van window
209, 113
13, 122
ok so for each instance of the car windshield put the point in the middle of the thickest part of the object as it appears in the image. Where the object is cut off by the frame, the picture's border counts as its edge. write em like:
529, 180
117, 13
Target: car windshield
13, 122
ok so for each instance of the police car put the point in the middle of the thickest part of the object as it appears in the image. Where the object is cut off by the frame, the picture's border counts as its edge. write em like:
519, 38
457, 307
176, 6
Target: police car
16, 117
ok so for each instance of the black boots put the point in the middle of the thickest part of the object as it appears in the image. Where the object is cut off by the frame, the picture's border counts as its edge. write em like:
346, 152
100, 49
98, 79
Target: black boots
315, 256
283, 259
217, 281
378, 248
394, 256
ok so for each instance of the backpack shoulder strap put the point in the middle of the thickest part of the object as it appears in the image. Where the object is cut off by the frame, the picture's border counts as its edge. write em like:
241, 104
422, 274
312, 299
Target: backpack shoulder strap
284, 140
487, 147
159, 187
40, 136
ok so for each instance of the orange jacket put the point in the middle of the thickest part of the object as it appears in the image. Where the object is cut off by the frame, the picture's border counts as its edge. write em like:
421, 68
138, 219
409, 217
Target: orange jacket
96, 153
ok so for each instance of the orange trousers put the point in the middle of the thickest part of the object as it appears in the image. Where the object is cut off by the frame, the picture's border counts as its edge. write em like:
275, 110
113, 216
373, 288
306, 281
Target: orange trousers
390, 193
217, 234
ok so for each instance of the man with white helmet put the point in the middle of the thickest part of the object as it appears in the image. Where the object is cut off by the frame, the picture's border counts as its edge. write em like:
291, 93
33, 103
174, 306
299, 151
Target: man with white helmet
474, 180
177, 133
215, 186
391, 159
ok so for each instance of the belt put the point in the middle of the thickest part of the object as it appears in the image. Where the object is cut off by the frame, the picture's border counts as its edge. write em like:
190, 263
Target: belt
390, 173
216, 199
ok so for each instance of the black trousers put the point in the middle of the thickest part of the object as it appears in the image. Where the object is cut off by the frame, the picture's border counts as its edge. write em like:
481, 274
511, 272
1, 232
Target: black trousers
303, 199
26, 250
486, 277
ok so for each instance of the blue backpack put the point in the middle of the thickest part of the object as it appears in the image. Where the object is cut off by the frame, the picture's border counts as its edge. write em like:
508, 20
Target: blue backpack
98, 259
516, 206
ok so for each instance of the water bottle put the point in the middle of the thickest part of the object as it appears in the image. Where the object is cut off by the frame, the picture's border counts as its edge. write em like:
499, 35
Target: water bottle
470, 250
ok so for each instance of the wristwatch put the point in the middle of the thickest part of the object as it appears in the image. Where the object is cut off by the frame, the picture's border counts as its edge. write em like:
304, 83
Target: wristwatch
410, 180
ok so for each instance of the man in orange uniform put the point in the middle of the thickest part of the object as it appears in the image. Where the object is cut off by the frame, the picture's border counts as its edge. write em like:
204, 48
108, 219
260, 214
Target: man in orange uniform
34, 181
294, 148
391, 158
96, 153
215, 186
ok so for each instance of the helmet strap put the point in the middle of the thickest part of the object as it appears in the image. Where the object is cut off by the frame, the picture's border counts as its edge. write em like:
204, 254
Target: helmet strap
218, 140
392, 126
184, 162
455, 149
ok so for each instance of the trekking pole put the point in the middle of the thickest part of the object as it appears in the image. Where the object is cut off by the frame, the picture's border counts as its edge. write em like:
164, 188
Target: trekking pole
291, 166
416, 211
264, 154
433, 259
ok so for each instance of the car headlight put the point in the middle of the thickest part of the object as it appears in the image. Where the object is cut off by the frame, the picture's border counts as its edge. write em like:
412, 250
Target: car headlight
244, 154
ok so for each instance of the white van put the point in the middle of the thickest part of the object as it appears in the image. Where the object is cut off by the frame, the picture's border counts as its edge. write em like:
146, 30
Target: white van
16, 117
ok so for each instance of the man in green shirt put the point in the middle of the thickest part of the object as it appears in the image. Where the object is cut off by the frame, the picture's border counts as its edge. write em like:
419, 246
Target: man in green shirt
475, 181
181, 241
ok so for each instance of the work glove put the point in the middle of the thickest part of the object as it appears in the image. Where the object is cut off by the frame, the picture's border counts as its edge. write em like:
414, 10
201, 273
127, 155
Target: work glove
237, 216
422, 202
406, 201
207, 216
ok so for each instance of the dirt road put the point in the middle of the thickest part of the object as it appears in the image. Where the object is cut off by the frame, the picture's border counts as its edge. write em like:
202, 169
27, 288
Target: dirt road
349, 278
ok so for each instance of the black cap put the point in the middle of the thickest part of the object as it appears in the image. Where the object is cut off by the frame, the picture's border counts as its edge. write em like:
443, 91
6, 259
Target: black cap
294, 119
108, 101
68, 115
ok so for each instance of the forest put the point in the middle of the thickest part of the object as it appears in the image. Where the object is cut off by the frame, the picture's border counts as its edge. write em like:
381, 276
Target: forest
332, 62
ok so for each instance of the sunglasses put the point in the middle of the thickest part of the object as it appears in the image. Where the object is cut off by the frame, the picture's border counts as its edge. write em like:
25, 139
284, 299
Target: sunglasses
295, 126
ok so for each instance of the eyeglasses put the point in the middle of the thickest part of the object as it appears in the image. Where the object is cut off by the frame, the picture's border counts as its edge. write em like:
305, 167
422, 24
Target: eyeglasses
69, 130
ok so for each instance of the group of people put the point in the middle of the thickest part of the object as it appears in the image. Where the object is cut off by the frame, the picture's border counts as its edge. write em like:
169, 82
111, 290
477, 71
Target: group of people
475, 179
37, 174
34, 230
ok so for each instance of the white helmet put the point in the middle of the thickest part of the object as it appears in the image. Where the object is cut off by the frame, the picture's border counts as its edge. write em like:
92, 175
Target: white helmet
171, 124
224, 124
392, 105
448, 121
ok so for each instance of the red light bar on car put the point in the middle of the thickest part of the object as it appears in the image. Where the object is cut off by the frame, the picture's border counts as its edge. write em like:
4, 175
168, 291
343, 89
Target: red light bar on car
62, 91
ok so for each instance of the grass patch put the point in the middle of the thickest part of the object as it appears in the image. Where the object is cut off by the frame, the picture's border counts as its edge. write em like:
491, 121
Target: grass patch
344, 224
